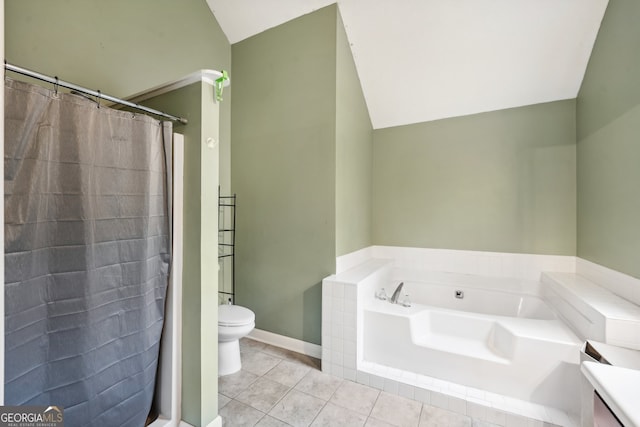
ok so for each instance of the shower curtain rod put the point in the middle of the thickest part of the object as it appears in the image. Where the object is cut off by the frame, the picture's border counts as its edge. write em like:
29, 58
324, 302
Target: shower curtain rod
57, 82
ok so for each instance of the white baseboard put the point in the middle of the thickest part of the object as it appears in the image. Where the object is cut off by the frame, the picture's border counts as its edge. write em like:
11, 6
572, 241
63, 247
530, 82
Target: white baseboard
163, 422
167, 423
217, 422
288, 343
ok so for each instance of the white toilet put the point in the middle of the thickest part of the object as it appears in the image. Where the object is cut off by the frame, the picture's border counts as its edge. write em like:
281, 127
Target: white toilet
234, 322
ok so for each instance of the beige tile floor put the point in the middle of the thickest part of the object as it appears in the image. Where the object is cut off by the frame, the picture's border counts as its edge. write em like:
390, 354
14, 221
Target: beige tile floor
277, 387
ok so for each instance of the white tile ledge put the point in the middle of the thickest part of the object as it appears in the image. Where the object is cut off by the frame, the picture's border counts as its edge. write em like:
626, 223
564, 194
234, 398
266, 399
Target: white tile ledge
613, 319
626, 286
597, 297
360, 272
493, 264
350, 260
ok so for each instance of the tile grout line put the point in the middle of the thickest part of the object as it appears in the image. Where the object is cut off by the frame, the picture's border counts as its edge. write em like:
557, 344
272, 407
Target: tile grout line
300, 391
374, 404
327, 401
290, 388
283, 396
420, 415
312, 367
264, 414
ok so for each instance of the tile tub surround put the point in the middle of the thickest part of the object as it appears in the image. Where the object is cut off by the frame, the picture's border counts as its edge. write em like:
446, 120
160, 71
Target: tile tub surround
362, 271
340, 358
621, 284
593, 311
342, 326
495, 265
320, 399
492, 264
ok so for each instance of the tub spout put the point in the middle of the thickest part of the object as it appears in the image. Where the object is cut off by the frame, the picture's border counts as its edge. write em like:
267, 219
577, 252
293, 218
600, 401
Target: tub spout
396, 294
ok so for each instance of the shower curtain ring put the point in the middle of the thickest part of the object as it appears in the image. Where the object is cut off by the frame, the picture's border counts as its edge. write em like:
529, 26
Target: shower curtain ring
98, 98
56, 85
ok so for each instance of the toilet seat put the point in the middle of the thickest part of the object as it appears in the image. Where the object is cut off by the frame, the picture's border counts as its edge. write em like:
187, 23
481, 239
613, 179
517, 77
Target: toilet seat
234, 315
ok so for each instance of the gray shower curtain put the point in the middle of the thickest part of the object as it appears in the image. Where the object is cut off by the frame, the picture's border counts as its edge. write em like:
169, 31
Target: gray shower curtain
87, 255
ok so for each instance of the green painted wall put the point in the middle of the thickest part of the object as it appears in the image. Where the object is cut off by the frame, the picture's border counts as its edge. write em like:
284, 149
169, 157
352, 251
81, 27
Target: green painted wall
608, 123
500, 181
188, 101
354, 153
283, 170
119, 46
200, 275
123, 47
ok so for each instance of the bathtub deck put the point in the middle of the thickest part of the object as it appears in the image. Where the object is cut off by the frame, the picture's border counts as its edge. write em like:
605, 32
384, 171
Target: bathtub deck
502, 352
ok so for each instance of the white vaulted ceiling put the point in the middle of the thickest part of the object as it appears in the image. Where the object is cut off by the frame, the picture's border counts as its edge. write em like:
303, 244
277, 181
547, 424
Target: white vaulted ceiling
422, 60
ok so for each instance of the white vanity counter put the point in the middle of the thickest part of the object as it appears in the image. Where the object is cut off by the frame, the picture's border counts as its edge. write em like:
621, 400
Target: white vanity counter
618, 387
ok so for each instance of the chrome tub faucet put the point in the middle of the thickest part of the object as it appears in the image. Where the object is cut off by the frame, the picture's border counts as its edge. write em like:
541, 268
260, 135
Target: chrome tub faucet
396, 294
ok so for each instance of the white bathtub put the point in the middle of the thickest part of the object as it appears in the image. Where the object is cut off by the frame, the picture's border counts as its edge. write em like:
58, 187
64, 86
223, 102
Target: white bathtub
477, 299
496, 340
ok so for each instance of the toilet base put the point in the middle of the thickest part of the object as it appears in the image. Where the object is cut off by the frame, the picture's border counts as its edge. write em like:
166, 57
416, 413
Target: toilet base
228, 357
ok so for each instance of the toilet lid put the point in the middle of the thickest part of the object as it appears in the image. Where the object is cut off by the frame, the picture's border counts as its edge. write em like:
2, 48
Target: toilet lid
234, 315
